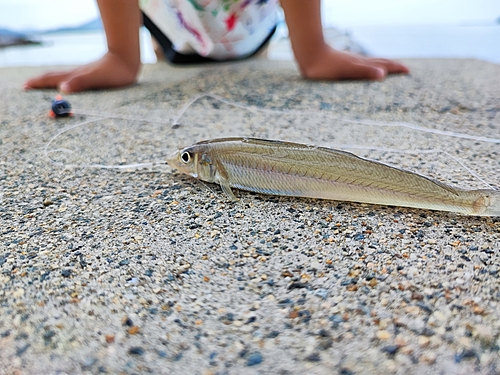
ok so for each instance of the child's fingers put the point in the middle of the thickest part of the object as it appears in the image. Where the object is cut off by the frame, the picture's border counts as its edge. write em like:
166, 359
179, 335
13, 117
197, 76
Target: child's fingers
92, 79
362, 71
391, 66
46, 81
76, 83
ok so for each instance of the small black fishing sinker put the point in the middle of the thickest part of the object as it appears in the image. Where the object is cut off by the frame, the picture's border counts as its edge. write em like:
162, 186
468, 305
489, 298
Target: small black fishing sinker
60, 108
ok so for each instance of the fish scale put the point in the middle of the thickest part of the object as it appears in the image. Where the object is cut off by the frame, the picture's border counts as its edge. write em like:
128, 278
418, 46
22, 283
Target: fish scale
247, 173
294, 169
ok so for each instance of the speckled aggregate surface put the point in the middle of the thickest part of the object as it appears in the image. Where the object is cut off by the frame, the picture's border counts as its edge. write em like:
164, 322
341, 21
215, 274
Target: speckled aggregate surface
148, 271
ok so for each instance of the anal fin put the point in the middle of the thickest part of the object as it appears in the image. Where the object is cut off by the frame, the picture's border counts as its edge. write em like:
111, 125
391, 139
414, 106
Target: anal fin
227, 190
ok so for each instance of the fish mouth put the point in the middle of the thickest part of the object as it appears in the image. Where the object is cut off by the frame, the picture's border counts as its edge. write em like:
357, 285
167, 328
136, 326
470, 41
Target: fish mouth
173, 160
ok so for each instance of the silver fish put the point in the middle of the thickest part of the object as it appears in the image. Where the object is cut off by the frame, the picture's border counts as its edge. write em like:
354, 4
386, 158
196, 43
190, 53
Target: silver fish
293, 169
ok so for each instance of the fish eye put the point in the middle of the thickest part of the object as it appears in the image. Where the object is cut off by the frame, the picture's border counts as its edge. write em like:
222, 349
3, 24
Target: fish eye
186, 157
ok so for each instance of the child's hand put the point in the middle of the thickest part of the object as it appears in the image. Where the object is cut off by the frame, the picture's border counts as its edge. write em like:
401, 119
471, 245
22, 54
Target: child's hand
336, 65
108, 72
316, 59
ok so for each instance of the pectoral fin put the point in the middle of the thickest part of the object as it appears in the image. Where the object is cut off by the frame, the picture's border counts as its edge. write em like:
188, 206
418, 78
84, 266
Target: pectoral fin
223, 179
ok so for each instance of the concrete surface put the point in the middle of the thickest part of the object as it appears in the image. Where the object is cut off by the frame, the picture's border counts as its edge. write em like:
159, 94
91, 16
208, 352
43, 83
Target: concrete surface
137, 271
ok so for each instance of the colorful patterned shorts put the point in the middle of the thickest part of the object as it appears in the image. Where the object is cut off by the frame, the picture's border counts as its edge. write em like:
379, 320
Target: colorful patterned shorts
192, 31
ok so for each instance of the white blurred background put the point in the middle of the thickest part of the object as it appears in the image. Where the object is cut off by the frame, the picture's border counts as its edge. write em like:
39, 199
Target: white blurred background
386, 28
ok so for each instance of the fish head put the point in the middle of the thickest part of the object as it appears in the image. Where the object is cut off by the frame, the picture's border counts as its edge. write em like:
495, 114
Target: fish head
193, 161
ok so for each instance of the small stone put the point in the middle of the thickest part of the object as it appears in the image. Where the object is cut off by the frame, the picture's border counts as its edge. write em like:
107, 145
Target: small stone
325, 343
22, 349
110, 338
346, 371
126, 321
88, 362
391, 366
435, 342
66, 273
18, 293
407, 350
390, 349
383, 335
136, 350
321, 292
428, 357
417, 296
273, 334
465, 354
48, 335
484, 334
426, 331
123, 262
439, 316
313, 357
359, 237
47, 202
254, 358
464, 342
133, 330
183, 268
384, 323
412, 310
423, 341
400, 340
161, 353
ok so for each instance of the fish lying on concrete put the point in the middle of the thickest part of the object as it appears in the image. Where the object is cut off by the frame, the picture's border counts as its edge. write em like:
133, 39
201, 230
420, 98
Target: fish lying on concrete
293, 169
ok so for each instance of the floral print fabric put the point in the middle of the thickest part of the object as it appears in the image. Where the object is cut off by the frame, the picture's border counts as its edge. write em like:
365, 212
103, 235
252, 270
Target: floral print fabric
219, 29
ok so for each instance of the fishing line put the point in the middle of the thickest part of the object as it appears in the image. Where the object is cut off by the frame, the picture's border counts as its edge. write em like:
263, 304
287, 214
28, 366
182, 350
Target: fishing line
185, 107
175, 123
251, 108
99, 166
418, 152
